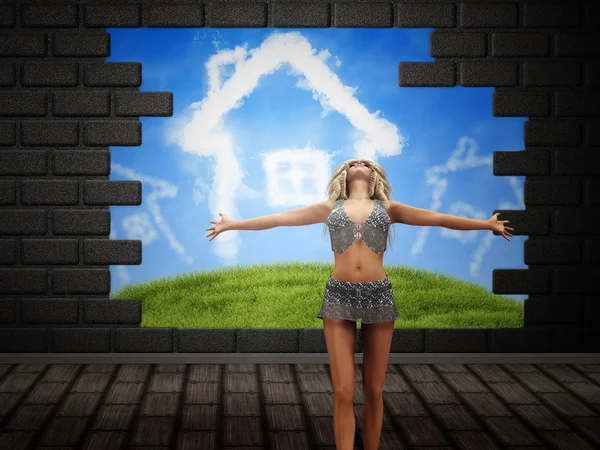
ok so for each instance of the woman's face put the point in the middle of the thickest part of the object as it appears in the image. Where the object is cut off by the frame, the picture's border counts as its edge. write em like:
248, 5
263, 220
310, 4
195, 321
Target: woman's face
359, 168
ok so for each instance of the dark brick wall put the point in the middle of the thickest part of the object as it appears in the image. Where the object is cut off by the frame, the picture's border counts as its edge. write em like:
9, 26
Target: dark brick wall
62, 106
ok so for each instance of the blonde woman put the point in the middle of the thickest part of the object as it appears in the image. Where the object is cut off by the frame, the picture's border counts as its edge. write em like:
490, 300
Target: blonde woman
358, 215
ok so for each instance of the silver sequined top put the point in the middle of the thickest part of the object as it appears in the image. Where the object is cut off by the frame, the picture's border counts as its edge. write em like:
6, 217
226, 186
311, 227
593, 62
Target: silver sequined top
373, 231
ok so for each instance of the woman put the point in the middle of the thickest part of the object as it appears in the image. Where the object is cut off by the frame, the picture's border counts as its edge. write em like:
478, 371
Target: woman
358, 215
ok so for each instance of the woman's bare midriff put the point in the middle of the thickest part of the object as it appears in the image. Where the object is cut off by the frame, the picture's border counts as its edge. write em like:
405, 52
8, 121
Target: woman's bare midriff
358, 263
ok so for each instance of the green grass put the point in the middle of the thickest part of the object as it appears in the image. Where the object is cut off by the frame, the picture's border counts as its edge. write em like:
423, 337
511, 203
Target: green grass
289, 295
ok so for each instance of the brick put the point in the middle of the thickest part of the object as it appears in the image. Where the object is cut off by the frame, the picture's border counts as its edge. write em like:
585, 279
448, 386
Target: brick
8, 251
23, 44
206, 341
81, 162
298, 14
592, 251
112, 311
7, 15
576, 162
492, 15
552, 14
23, 340
8, 310
80, 222
114, 132
23, 104
518, 44
592, 73
489, 74
81, 44
112, 74
358, 15
49, 74
193, 15
49, 133
551, 73
552, 250
521, 163
543, 131
439, 73
8, 192
81, 281
552, 192
592, 132
527, 222
577, 103
112, 16
81, 340
455, 341
576, 44
23, 162
520, 103
576, 221
579, 280
49, 251
133, 104
591, 311
23, 222
592, 192
81, 104
64, 16
426, 15
575, 340
453, 44
49, 310
543, 309
403, 341
520, 281
108, 251
267, 341
112, 192
8, 75
519, 340
8, 133
49, 192
592, 12
23, 281
140, 340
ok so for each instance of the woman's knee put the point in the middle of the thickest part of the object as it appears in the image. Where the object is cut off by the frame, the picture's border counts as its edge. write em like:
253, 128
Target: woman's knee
373, 392
344, 393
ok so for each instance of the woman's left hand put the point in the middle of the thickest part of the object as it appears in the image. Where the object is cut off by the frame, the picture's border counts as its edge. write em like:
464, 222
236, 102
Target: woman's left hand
498, 225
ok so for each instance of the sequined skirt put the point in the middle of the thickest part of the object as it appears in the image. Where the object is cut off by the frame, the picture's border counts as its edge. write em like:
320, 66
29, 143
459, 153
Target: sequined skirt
368, 301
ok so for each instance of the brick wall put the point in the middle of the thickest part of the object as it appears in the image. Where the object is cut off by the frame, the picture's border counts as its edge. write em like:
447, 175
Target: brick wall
62, 107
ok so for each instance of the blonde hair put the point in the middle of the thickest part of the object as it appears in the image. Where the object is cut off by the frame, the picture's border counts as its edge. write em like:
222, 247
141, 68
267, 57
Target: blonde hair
379, 187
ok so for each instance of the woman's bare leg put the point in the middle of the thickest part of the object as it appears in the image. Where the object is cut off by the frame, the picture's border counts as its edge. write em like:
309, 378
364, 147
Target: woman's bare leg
340, 336
377, 339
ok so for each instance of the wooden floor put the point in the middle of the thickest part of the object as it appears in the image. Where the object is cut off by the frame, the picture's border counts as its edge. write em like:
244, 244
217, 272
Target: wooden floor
290, 406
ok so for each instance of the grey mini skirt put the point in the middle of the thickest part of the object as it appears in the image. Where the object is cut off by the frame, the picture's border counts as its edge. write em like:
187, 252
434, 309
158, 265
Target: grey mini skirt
367, 301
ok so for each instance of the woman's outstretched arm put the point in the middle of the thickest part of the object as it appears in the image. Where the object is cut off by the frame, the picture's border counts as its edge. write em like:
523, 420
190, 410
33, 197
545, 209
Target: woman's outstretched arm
307, 215
410, 215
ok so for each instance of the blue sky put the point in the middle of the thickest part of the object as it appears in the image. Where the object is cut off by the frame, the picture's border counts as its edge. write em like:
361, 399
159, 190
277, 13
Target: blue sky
256, 109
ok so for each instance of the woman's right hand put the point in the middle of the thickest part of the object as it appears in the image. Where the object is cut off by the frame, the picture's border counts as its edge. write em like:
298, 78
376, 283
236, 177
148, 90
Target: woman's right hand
219, 227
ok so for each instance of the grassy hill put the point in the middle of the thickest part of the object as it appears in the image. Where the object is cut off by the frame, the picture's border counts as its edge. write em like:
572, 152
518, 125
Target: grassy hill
289, 295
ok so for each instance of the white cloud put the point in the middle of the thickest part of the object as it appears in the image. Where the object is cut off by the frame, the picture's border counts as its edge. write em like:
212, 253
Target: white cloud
137, 225
296, 176
203, 132
200, 191
464, 157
